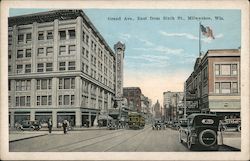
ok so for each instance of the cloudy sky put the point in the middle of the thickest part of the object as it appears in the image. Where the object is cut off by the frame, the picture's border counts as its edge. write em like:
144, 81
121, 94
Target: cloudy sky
160, 54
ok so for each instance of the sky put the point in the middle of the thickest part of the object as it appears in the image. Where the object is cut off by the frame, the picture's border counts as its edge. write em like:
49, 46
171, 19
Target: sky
160, 53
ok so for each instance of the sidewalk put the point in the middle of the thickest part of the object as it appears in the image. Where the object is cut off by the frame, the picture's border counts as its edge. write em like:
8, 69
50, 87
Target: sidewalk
15, 135
232, 139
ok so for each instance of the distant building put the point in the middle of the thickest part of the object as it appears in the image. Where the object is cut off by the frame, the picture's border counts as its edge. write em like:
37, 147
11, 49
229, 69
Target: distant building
157, 110
60, 67
214, 85
133, 96
173, 102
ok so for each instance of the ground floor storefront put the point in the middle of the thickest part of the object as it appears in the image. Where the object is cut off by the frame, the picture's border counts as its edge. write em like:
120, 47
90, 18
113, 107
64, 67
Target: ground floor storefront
77, 117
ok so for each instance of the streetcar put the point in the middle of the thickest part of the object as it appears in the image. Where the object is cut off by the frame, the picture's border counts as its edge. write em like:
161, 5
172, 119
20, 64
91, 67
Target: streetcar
136, 120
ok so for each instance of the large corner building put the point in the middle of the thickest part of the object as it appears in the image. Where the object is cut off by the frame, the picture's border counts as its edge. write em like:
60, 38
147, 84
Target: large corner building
214, 85
60, 67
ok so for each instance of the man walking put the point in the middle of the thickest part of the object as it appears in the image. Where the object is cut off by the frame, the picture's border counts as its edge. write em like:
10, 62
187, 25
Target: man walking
50, 125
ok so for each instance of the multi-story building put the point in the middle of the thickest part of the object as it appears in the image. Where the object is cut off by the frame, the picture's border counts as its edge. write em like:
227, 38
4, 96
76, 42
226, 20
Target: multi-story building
133, 96
60, 67
172, 103
157, 111
214, 85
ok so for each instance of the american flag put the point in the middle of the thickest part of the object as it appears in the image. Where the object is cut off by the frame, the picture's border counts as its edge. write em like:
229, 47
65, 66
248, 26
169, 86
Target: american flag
207, 31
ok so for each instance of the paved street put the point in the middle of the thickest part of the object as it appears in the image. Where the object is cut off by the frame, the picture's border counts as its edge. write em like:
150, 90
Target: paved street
146, 140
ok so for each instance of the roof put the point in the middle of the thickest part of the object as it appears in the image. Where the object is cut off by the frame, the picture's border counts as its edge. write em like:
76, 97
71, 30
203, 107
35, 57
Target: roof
50, 16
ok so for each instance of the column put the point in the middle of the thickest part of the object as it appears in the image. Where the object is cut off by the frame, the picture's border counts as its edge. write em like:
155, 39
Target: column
78, 89
109, 101
32, 115
33, 93
105, 110
34, 47
89, 119
54, 118
78, 42
54, 92
12, 119
55, 62
89, 95
78, 118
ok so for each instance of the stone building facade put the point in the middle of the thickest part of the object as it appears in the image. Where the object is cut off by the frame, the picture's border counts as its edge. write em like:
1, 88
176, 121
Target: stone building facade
60, 67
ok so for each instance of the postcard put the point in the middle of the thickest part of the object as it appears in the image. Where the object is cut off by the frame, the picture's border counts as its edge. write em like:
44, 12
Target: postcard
116, 80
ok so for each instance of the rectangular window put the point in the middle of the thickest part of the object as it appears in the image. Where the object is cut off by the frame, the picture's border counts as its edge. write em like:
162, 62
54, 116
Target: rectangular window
72, 99
225, 69
40, 51
9, 39
62, 35
62, 66
40, 35
234, 87
83, 36
234, 69
38, 84
28, 101
66, 100
71, 65
60, 83
72, 34
40, 67
225, 87
49, 35
49, 51
217, 87
28, 53
49, 67
28, 68
72, 83
44, 100
19, 68
38, 100
20, 38
44, 84
49, 83
62, 50
87, 40
28, 37
19, 53
22, 100
217, 69
49, 100
72, 49
17, 101
9, 68
60, 100
67, 83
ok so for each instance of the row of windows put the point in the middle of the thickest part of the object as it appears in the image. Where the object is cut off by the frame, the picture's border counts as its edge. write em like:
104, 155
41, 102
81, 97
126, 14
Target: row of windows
67, 83
226, 69
226, 87
44, 100
66, 99
45, 51
23, 101
43, 67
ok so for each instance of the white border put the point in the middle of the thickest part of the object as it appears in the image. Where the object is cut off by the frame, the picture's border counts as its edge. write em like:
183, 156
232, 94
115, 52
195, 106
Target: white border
240, 4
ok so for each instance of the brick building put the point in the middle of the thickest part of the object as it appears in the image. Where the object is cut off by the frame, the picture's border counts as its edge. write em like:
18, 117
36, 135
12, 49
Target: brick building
133, 96
214, 85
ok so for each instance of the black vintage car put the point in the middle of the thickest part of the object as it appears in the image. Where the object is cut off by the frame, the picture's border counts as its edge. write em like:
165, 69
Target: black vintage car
201, 130
29, 125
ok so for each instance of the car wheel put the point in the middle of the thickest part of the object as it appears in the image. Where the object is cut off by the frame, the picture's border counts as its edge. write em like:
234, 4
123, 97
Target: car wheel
208, 137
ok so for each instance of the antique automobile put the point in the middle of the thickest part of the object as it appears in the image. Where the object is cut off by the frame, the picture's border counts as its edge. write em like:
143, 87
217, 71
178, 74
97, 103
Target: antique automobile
29, 125
231, 124
159, 126
200, 130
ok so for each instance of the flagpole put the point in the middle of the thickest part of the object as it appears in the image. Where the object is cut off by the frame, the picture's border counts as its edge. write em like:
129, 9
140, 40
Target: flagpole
200, 39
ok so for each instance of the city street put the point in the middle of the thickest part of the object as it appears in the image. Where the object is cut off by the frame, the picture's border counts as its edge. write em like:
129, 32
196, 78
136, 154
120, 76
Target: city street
146, 140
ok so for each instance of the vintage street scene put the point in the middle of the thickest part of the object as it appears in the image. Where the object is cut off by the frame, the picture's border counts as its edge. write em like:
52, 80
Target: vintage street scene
124, 80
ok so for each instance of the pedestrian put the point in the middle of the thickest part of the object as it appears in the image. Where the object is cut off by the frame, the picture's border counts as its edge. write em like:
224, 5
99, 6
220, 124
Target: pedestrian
65, 125
50, 125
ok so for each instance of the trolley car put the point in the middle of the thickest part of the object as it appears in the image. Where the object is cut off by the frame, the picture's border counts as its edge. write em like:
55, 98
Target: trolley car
136, 120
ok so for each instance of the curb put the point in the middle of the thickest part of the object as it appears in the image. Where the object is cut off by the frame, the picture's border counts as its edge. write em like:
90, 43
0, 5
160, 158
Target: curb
27, 138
